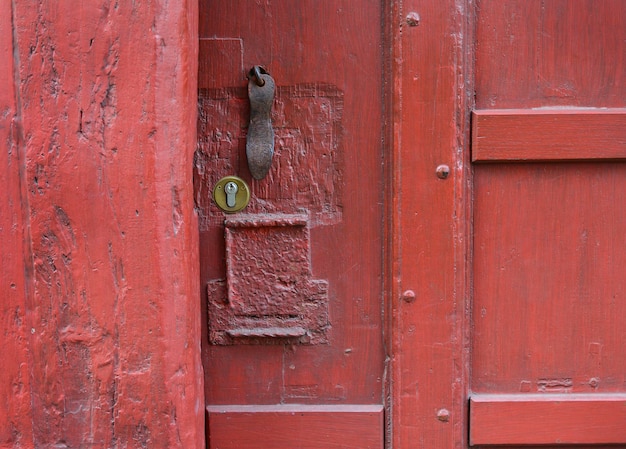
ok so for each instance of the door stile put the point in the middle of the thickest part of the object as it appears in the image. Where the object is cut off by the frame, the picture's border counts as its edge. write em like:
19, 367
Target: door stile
431, 66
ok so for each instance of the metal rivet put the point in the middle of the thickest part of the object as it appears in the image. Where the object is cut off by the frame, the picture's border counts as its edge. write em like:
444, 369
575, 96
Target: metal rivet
443, 171
413, 19
408, 296
594, 382
443, 415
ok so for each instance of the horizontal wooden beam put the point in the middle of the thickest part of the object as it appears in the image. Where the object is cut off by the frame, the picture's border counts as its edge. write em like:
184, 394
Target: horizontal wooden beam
525, 419
548, 134
295, 426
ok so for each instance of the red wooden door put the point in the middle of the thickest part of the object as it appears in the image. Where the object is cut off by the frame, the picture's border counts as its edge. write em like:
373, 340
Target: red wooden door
498, 252
294, 353
549, 243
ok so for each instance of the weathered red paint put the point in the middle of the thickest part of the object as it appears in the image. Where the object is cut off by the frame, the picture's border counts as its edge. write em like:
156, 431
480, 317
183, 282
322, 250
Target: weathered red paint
541, 419
431, 71
548, 135
99, 274
101, 315
300, 269
548, 316
15, 393
287, 304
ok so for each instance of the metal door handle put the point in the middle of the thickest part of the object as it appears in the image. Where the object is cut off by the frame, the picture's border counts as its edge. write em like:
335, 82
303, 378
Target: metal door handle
260, 138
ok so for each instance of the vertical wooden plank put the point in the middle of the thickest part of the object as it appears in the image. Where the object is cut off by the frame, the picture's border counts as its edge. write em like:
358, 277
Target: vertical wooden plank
108, 96
431, 69
15, 398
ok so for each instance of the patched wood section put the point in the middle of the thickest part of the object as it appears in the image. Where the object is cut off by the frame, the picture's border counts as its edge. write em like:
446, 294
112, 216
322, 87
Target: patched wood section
306, 172
269, 295
106, 99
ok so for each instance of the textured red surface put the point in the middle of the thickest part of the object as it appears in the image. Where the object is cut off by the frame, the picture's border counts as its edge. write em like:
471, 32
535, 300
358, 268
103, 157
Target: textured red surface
268, 290
99, 255
430, 229
548, 311
307, 291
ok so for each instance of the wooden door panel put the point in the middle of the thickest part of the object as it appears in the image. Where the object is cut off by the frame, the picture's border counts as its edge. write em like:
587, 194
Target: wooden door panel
540, 53
549, 244
549, 258
532, 419
287, 365
301, 426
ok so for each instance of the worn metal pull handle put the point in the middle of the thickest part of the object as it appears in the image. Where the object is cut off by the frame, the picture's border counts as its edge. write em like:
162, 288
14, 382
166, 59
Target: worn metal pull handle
260, 139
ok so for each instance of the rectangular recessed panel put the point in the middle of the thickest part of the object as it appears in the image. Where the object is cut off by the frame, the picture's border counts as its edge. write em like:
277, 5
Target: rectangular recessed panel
295, 426
525, 419
548, 135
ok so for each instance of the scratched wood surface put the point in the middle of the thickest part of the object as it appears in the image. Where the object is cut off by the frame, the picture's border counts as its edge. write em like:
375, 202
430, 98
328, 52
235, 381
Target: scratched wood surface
16, 419
100, 333
548, 314
430, 67
325, 59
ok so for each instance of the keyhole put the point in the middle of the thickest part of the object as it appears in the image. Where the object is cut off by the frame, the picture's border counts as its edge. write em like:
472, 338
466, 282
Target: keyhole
231, 193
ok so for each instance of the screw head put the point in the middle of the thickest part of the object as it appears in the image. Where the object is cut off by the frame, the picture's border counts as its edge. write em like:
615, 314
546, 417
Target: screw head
443, 171
408, 296
413, 19
443, 415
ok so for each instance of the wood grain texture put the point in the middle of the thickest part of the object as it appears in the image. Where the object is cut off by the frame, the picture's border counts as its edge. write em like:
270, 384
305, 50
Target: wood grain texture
536, 53
557, 419
429, 229
296, 426
548, 315
107, 96
16, 419
548, 277
548, 135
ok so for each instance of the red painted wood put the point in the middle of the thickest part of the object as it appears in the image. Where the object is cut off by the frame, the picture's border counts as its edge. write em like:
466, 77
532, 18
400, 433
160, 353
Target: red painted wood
430, 235
548, 244
548, 265
550, 135
328, 279
327, 168
16, 425
101, 324
548, 419
534, 54
296, 426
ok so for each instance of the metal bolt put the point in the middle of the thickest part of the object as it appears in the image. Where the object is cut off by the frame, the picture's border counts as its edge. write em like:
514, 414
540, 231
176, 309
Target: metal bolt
408, 296
594, 382
443, 415
443, 171
413, 19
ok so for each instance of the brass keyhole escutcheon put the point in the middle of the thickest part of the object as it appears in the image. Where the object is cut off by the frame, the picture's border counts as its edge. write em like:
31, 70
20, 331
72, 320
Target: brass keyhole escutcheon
231, 194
